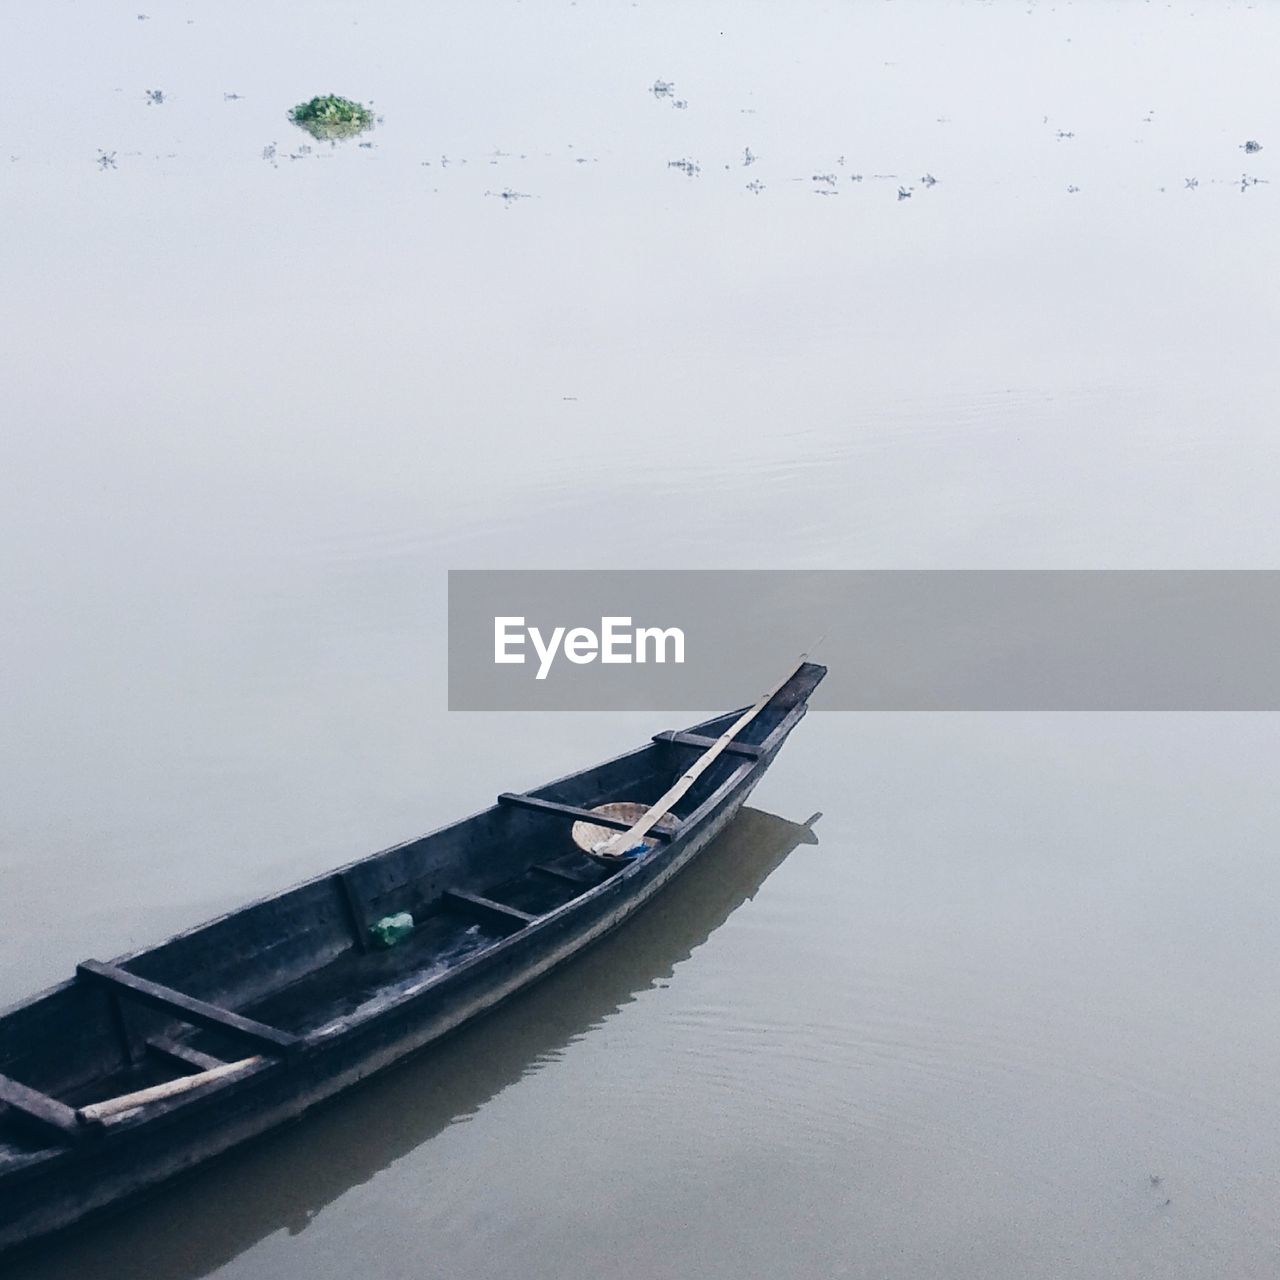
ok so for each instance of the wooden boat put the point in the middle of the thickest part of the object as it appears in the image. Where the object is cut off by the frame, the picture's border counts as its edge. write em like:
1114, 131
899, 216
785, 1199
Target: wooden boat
135, 1071
253, 1194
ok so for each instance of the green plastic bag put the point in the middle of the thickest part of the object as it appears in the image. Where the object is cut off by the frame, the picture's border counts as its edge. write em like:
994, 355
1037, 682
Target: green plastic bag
391, 929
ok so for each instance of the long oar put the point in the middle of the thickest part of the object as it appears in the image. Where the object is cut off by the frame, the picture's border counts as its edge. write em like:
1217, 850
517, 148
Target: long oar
625, 841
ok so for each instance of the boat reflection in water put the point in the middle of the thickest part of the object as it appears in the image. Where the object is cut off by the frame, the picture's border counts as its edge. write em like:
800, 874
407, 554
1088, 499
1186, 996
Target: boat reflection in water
286, 1179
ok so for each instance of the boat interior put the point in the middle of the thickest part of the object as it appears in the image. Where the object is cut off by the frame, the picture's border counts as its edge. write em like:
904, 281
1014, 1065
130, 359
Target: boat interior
301, 964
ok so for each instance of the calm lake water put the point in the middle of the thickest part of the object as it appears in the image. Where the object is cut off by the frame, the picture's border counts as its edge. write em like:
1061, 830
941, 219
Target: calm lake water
998, 287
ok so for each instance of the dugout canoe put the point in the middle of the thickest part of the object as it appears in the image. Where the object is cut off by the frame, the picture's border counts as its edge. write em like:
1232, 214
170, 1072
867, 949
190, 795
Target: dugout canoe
137, 1070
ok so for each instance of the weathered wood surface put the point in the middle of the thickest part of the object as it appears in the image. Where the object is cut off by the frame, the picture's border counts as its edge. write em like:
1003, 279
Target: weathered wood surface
198, 1013
747, 749
564, 877
487, 907
53, 1118
182, 1055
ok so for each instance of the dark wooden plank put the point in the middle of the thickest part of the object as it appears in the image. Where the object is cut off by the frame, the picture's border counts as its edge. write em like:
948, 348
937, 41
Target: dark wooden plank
578, 815
53, 1118
354, 908
128, 1041
182, 1054
563, 877
487, 907
197, 1012
698, 740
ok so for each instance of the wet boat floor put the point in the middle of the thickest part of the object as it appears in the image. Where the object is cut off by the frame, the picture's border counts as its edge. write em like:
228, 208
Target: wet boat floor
356, 981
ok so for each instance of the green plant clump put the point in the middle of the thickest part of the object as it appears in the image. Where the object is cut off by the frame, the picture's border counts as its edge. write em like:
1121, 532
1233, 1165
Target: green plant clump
332, 117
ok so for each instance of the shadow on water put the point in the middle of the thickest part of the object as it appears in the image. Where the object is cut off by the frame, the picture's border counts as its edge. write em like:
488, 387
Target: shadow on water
286, 1179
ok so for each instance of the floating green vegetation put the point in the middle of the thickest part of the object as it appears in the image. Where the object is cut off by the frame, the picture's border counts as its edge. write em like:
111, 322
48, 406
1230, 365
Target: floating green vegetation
332, 117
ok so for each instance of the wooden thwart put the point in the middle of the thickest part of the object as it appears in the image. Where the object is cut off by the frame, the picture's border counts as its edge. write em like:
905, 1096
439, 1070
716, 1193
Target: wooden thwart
488, 907
182, 1055
572, 811
750, 750
198, 1013
55, 1119
354, 908
96, 1112
564, 877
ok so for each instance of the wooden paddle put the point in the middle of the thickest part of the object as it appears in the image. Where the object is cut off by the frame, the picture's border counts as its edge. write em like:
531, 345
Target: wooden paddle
615, 846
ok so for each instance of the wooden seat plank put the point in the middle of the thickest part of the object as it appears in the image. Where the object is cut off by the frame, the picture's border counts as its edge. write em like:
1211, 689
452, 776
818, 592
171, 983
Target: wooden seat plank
563, 877
53, 1118
751, 751
574, 812
488, 907
199, 1013
182, 1054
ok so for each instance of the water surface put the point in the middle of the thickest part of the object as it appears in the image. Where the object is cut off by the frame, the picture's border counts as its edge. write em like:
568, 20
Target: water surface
258, 399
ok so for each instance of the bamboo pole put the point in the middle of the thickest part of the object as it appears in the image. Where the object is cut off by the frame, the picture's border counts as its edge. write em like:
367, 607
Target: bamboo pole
98, 1111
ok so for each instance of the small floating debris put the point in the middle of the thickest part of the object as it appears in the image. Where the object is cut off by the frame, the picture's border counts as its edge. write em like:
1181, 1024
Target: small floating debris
1071, 190
1062, 136
330, 117
690, 168
680, 104
855, 177
828, 178
904, 193
1250, 147
155, 97
1246, 182
232, 97
106, 159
